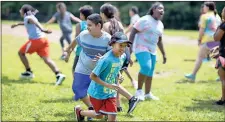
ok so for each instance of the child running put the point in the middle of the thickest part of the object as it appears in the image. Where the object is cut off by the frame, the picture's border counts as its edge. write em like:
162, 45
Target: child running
37, 43
85, 11
103, 87
112, 25
148, 32
220, 36
64, 19
93, 41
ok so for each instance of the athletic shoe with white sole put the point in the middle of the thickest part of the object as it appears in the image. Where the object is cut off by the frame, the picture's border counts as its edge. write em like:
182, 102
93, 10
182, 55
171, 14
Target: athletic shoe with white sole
27, 74
60, 78
151, 96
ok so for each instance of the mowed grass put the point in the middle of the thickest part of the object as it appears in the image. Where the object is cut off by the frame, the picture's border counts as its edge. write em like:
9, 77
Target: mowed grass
40, 100
191, 34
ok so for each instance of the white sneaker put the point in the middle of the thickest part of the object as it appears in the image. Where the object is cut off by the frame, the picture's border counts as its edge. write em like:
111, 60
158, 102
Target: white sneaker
151, 96
60, 78
27, 74
140, 95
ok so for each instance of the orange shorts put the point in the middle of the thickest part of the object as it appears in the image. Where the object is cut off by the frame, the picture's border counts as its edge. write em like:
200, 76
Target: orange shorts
105, 107
41, 46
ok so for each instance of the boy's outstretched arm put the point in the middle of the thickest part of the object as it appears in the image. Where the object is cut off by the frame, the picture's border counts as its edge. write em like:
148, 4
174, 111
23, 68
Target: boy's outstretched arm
30, 20
75, 19
14, 25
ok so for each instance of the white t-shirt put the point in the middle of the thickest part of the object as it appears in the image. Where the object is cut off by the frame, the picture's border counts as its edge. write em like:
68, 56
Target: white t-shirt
134, 19
149, 32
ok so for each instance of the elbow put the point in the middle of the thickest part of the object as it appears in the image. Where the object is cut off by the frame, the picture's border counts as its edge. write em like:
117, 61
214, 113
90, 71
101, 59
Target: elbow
92, 77
215, 37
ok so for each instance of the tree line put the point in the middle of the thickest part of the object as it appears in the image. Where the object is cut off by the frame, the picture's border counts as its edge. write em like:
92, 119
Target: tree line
178, 15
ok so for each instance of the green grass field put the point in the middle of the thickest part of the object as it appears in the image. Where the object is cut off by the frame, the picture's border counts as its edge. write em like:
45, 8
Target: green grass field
40, 100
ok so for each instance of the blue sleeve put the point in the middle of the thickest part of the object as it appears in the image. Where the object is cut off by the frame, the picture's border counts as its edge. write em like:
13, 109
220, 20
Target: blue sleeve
102, 64
56, 15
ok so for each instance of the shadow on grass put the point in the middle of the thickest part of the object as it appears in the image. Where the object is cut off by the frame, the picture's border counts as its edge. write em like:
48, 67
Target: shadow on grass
69, 116
184, 81
198, 82
7, 81
200, 105
60, 100
189, 60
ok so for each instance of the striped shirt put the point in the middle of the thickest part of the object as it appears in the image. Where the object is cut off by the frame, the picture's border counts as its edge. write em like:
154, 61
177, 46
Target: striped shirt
91, 46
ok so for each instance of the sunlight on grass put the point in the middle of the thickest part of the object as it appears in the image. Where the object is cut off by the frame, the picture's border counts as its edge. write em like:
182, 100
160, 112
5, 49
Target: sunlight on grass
40, 100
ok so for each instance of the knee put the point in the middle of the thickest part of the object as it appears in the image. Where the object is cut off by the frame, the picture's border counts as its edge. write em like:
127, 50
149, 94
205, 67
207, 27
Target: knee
47, 60
99, 116
21, 54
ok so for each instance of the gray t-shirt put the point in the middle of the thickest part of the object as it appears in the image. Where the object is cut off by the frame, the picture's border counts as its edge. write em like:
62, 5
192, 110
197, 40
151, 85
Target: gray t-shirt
64, 22
91, 46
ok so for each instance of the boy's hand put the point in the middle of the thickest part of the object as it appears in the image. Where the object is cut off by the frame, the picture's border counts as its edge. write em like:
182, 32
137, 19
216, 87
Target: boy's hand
97, 57
113, 86
66, 55
47, 31
13, 25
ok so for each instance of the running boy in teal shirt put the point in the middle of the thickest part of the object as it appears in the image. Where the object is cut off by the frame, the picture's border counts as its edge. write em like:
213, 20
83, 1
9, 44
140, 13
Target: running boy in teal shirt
103, 87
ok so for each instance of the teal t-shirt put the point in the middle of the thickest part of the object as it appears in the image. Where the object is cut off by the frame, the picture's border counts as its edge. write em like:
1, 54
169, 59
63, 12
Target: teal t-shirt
107, 69
83, 26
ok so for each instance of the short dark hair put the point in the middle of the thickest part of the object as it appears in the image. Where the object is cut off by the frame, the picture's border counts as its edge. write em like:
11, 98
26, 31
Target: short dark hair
134, 9
86, 10
28, 8
108, 10
95, 18
154, 6
60, 5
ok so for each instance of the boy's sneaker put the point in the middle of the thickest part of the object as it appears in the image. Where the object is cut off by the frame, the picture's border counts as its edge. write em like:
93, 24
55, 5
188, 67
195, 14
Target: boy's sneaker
60, 78
27, 74
89, 118
206, 60
132, 104
218, 79
140, 95
119, 109
77, 111
220, 102
151, 96
190, 77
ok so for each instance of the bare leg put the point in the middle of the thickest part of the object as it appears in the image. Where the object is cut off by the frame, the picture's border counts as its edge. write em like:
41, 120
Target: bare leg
86, 101
51, 64
124, 92
24, 60
128, 75
91, 113
221, 73
141, 80
203, 52
148, 84
118, 100
111, 118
